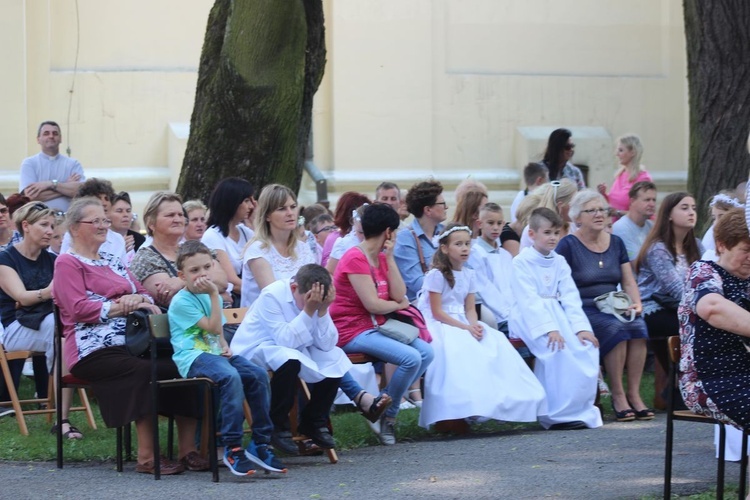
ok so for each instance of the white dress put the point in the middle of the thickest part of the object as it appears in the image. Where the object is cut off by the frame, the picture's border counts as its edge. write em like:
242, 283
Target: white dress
282, 267
547, 300
469, 378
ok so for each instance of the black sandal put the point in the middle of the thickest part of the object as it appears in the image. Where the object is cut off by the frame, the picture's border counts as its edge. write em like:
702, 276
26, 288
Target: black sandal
376, 409
71, 430
644, 414
626, 415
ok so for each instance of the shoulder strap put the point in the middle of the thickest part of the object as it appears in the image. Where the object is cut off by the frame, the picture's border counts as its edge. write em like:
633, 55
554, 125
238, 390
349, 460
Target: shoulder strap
172, 270
419, 251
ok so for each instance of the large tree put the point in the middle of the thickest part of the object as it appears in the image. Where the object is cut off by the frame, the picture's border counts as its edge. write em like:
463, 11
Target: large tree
261, 63
717, 33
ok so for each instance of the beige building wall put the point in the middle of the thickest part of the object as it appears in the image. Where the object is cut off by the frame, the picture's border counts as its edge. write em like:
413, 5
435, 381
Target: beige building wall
424, 87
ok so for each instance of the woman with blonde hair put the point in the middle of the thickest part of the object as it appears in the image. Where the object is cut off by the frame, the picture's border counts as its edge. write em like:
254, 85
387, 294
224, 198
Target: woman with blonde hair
275, 252
629, 152
556, 196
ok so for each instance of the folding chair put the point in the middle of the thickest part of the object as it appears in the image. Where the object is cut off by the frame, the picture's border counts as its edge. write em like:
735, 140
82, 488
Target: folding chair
16, 403
65, 380
159, 327
689, 416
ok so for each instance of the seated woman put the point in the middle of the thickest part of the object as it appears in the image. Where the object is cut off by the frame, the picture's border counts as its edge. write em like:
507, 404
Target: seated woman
122, 218
230, 204
556, 196
342, 219
196, 219
360, 307
352, 239
599, 263
714, 328
154, 265
26, 270
6, 228
98, 295
275, 252
662, 265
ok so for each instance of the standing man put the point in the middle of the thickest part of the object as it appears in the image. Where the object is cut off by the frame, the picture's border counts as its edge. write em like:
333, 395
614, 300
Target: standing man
49, 176
635, 225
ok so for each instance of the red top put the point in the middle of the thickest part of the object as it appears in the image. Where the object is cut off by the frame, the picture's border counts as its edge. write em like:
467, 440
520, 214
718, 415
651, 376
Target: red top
348, 313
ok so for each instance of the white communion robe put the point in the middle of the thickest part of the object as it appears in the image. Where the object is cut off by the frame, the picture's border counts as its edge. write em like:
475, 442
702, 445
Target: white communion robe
547, 300
275, 330
493, 269
471, 378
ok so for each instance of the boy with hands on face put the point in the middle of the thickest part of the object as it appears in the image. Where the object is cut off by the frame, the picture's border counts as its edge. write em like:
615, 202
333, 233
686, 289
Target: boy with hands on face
195, 321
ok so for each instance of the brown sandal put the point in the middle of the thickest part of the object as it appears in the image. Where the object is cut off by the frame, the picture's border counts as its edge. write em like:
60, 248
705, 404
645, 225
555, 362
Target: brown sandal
376, 409
166, 467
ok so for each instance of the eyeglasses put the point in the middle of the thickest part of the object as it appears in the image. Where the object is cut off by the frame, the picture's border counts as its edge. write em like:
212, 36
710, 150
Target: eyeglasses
97, 222
445, 205
570, 146
596, 211
4, 211
326, 228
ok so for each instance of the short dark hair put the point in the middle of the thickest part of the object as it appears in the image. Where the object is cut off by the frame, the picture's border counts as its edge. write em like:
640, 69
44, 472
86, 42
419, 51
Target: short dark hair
538, 215
421, 195
322, 218
640, 186
311, 212
189, 249
491, 207
224, 200
309, 274
121, 196
96, 188
385, 186
48, 122
534, 171
377, 218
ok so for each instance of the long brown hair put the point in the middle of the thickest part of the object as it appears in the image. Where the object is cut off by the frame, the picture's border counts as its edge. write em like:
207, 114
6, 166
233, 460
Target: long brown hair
440, 260
467, 210
663, 231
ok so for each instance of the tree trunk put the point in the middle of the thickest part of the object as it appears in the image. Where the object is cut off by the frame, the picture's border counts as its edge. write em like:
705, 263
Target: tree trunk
718, 46
261, 63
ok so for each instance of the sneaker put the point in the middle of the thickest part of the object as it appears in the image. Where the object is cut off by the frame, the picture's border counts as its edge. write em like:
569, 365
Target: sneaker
263, 456
406, 405
387, 431
237, 462
7, 412
28, 369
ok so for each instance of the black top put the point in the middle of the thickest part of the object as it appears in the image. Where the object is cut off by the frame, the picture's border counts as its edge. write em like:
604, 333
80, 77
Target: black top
138, 238
35, 275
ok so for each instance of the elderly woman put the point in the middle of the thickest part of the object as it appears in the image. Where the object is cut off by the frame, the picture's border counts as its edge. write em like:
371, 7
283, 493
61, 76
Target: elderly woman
98, 295
196, 219
599, 263
26, 270
360, 304
715, 326
154, 265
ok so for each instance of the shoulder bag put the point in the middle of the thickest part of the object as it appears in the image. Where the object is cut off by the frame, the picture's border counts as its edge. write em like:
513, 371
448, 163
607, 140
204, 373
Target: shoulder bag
617, 304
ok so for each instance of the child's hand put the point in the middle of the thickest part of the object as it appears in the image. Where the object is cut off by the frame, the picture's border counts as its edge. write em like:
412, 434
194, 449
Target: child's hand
205, 285
330, 297
226, 351
476, 330
555, 341
314, 298
584, 336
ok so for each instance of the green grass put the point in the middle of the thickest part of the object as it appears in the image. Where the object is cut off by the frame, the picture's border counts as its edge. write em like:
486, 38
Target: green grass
351, 431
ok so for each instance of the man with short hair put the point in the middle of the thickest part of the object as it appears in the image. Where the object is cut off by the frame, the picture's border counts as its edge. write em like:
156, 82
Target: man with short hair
49, 176
635, 225
388, 193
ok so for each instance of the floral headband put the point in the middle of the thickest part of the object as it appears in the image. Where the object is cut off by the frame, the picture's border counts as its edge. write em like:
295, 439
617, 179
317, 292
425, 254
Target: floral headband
448, 232
301, 220
355, 214
726, 199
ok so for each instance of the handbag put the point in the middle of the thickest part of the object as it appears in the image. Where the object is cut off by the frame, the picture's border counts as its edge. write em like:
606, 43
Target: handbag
32, 316
617, 304
397, 330
137, 334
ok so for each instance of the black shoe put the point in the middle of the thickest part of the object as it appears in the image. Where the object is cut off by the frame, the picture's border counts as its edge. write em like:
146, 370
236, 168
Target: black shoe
282, 441
568, 426
318, 435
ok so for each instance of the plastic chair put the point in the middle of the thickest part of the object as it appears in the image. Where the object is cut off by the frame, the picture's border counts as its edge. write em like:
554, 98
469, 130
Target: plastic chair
689, 416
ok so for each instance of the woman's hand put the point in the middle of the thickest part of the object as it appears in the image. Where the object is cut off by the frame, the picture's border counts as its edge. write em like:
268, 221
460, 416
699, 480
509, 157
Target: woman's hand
129, 242
476, 330
637, 307
602, 188
404, 304
166, 289
389, 244
129, 303
148, 306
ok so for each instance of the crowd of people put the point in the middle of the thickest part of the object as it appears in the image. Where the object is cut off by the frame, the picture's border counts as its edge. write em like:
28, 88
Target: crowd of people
437, 302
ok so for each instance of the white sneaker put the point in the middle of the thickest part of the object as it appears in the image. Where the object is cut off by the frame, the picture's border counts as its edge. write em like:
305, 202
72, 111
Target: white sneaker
28, 368
405, 405
10, 412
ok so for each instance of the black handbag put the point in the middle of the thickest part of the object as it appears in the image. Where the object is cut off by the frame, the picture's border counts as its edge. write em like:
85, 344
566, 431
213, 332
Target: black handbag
32, 316
665, 300
137, 334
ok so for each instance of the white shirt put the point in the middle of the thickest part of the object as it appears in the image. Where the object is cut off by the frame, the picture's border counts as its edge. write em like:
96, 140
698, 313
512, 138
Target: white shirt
41, 167
214, 240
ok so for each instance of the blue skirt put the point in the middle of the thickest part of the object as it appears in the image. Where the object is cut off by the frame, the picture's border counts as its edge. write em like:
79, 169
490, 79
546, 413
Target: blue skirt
610, 331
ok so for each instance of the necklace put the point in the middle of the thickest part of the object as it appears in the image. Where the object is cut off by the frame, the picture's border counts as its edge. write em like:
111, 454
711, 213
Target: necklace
594, 244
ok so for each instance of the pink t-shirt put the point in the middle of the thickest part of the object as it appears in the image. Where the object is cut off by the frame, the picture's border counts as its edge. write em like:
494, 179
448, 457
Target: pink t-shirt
618, 195
328, 246
348, 313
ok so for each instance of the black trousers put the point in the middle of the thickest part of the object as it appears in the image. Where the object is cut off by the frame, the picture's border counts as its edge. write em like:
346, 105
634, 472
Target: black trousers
662, 324
284, 390
41, 377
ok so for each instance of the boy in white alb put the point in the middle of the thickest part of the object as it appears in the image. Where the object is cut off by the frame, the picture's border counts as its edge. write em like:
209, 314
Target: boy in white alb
549, 318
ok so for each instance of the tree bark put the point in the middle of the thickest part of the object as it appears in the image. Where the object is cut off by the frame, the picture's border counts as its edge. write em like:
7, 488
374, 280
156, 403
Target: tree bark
717, 33
261, 63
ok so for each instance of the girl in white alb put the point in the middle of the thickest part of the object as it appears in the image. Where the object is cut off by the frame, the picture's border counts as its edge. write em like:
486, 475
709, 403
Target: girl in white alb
476, 371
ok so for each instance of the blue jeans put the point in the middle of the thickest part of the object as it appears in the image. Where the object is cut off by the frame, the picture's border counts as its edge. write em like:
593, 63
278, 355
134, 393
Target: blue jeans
238, 379
412, 360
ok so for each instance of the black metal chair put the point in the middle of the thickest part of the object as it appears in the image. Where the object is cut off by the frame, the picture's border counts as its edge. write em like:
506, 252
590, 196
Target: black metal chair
689, 416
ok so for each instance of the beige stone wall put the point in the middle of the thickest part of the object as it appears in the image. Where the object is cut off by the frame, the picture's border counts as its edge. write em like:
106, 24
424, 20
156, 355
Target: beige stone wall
413, 88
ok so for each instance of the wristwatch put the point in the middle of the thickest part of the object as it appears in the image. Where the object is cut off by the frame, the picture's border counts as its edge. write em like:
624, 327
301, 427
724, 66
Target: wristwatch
54, 184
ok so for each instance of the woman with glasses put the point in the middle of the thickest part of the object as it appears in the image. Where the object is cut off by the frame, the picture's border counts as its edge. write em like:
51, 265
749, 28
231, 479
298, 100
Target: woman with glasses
98, 295
629, 152
6, 231
557, 156
122, 217
662, 266
599, 264
26, 270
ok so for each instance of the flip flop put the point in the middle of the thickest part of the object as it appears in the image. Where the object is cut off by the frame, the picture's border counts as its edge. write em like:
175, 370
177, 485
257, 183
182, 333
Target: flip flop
376, 409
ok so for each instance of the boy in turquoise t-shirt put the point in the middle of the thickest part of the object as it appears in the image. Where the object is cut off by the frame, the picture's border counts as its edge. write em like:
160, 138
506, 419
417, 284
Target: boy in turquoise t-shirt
195, 321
